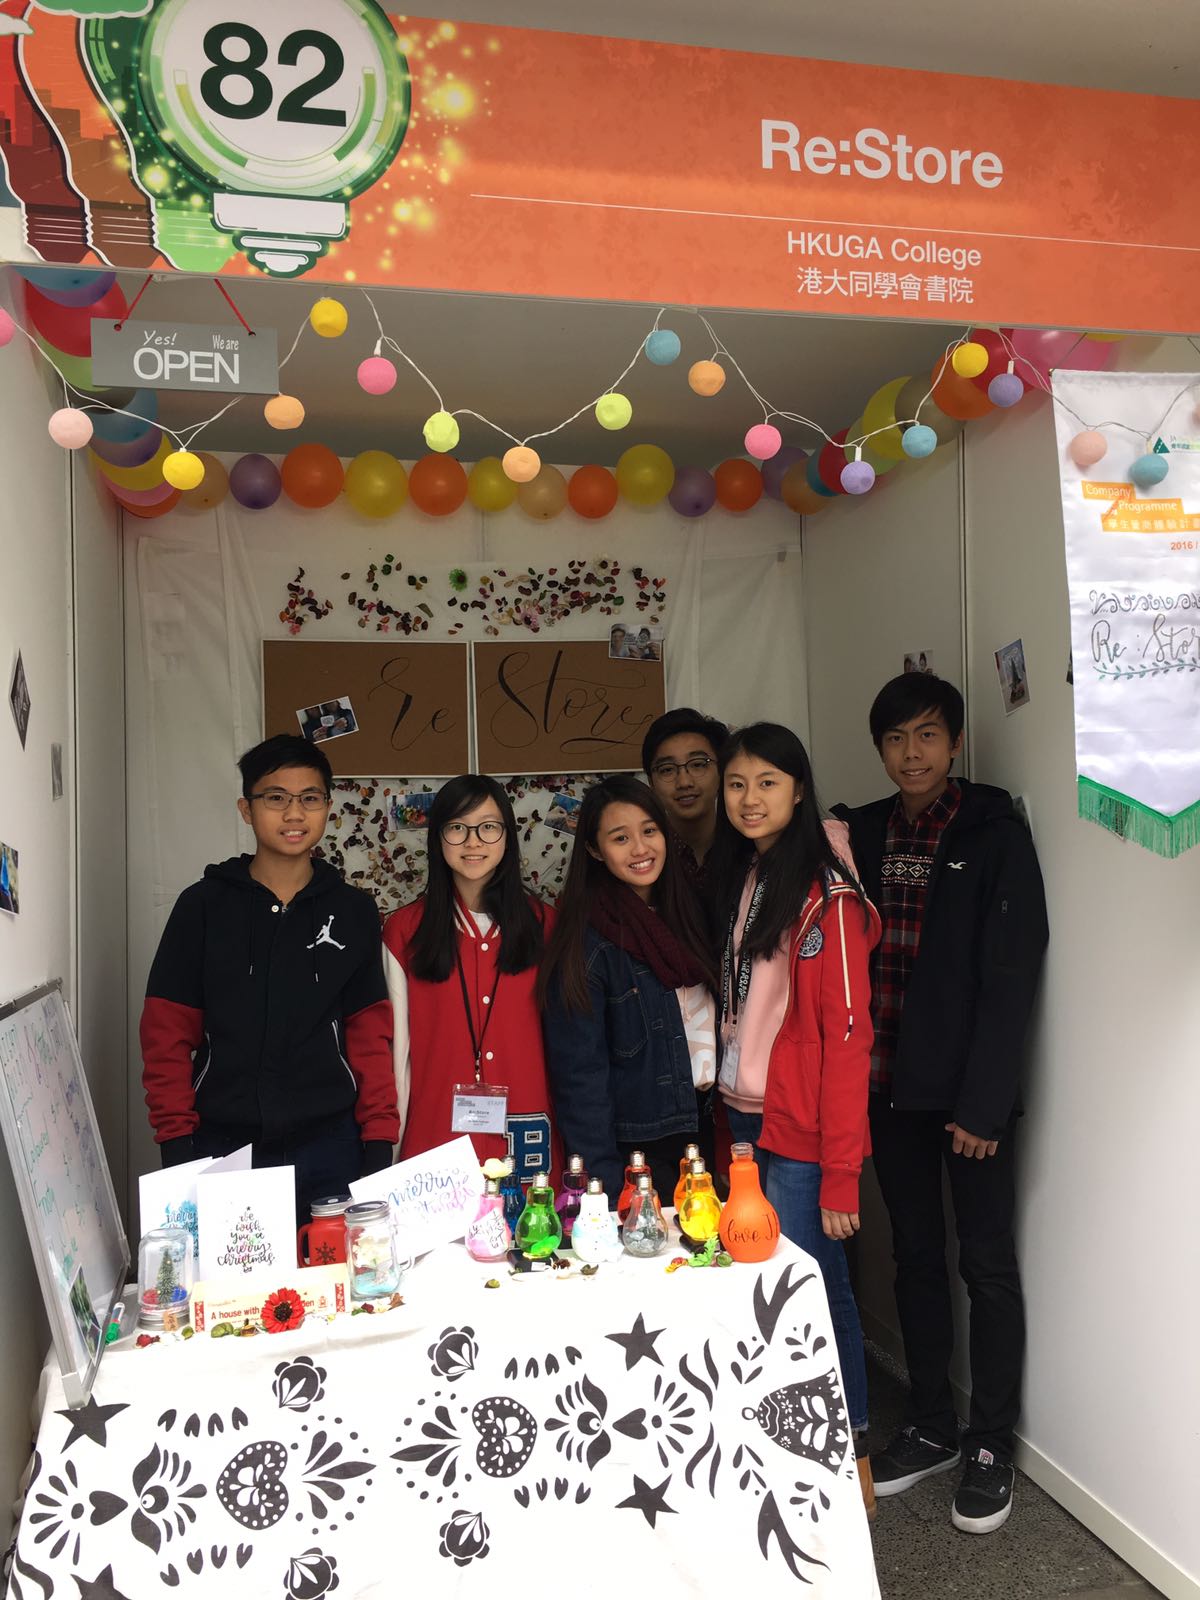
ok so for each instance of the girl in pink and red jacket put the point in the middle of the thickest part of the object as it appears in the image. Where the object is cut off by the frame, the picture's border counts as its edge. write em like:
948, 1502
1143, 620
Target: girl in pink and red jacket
795, 1009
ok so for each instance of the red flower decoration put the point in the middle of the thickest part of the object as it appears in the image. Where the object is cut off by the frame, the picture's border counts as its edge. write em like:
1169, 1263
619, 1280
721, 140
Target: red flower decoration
284, 1309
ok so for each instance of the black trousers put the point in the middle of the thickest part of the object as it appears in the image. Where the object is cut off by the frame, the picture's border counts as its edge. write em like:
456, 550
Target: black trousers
327, 1158
910, 1148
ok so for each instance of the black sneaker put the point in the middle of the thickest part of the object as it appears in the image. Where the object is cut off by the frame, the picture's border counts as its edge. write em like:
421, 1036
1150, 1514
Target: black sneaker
985, 1495
908, 1458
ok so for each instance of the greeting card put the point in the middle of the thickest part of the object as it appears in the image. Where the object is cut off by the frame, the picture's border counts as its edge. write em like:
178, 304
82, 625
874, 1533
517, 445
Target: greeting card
247, 1221
434, 1196
167, 1199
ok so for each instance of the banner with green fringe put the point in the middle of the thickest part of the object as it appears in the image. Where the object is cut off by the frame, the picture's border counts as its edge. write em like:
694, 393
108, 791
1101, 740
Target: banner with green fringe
1131, 515
1166, 836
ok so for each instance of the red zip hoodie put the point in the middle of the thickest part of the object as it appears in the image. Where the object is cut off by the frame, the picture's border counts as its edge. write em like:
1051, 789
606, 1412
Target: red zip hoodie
815, 1106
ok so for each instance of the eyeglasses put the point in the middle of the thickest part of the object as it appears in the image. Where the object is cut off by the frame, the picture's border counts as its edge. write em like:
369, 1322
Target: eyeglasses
277, 799
695, 768
485, 832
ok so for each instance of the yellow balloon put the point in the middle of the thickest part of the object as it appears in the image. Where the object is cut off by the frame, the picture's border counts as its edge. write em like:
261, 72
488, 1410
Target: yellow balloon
521, 463
613, 411
880, 412
376, 484
148, 476
284, 411
1104, 338
489, 488
212, 489
545, 496
645, 474
183, 470
328, 318
969, 359
441, 431
880, 463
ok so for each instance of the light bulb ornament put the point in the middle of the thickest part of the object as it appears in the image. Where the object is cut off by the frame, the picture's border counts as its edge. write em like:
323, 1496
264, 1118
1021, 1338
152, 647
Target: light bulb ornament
232, 135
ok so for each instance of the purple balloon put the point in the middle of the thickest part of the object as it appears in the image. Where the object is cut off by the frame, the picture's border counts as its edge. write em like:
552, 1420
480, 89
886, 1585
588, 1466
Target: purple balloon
693, 493
773, 469
255, 483
67, 286
134, 453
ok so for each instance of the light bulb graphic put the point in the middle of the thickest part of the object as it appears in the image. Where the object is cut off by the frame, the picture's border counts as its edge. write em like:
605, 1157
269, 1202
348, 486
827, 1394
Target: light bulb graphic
252, 128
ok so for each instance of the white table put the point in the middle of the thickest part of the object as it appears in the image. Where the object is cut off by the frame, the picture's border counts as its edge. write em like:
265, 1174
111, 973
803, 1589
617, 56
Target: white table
633, 1432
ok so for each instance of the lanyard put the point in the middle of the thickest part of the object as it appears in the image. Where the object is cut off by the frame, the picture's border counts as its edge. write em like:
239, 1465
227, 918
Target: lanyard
476, 1043
735, 980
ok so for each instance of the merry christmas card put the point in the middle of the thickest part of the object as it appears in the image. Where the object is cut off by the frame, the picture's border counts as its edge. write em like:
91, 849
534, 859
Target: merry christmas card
167, 1199
247, 1221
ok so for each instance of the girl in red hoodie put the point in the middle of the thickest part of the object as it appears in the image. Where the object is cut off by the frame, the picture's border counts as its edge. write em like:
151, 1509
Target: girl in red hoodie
461, 965
795, 1026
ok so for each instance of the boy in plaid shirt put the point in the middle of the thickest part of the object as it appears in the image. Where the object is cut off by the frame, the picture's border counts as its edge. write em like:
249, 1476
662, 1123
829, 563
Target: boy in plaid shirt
954, 874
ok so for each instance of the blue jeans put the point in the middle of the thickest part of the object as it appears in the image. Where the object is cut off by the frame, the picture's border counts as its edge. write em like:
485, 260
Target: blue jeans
794, 1189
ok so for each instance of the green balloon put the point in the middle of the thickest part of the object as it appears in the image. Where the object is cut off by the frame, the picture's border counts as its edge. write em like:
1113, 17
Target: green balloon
911, 396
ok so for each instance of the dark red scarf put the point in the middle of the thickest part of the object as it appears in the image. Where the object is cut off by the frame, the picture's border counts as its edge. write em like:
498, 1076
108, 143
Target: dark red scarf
619, 915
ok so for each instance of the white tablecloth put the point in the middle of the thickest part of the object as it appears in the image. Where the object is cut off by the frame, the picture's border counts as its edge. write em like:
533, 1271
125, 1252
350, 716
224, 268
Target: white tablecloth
637, 1431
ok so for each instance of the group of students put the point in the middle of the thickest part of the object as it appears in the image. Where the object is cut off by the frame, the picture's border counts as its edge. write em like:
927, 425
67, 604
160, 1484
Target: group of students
720, 954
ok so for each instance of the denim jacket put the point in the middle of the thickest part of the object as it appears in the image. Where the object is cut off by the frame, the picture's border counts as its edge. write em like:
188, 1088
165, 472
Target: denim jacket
621, 1073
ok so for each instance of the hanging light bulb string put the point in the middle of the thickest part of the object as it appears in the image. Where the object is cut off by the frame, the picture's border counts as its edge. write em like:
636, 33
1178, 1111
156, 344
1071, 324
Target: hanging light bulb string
194, 432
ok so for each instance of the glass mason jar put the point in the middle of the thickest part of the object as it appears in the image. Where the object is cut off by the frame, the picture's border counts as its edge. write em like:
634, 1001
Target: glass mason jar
375, 1266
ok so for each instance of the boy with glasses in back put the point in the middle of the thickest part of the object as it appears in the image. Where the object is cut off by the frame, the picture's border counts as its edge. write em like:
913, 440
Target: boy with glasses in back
267, 1019
679, 755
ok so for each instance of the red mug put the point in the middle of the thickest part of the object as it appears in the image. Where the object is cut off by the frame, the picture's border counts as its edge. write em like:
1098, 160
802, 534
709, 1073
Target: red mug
322, 1242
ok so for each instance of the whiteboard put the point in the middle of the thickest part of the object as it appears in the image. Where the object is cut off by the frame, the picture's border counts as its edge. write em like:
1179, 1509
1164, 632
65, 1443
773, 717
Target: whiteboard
62, 1181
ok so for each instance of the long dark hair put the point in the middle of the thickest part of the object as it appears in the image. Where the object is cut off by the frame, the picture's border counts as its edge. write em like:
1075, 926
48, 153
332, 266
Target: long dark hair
672, 896
800, 856
504, 899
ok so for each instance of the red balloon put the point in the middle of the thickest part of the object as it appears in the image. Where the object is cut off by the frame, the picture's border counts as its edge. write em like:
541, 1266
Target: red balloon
437, 484
998, 355
148, 512
69, 328
832, 461
739, 484
592, 491
312, 475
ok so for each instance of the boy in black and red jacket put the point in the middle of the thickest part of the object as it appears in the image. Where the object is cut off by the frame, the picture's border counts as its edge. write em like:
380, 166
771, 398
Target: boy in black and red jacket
953, 872
267, 1019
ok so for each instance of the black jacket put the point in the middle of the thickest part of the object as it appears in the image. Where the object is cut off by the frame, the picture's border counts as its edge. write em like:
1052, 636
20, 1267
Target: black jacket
266, 1018
972, 987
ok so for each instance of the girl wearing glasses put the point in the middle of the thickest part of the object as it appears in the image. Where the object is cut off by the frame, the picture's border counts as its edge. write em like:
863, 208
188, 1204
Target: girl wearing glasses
461, 966
628, 992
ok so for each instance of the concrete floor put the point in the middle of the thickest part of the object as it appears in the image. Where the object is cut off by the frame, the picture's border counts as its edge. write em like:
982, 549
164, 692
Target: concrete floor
1041, 1553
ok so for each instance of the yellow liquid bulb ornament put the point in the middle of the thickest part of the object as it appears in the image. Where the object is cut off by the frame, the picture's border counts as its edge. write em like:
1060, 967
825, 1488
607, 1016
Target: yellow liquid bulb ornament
700, 1213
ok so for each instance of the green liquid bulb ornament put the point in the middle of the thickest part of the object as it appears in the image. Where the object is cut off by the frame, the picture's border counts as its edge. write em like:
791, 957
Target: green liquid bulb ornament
539, 1230
700, 1213
645, 1232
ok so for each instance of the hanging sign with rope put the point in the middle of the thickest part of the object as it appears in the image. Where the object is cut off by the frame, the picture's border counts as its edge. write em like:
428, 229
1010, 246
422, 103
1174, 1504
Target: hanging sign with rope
185, 355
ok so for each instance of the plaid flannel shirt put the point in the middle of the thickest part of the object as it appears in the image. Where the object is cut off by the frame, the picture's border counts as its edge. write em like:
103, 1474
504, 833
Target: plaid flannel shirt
908, 855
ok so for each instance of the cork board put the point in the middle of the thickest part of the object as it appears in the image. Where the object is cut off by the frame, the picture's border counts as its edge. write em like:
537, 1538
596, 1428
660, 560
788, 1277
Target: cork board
386, 709
548, 706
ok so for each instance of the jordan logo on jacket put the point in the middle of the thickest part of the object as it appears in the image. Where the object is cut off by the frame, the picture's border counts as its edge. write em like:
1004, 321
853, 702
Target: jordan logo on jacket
326, 937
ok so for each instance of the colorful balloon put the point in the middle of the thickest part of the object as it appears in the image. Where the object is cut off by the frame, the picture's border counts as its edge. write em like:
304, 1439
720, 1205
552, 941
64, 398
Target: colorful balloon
77, 370
69, 328
377, 375
912, 396
694, 492
489, 488
376, 484
545, 496
998, 356
831, 459
739, 484
7, 328
775, 470
958, 397
438, 485
613, 411
183, 469
812, 476
146, 476
328, 318
592, 492
132, 454
138, 410
1039, 350
521, 464
763, 441
856, 432
798, 494
158, 509
645, 474
880, 412
69, 286
211, 490
254, 482
706, 378
70, 428
312, 476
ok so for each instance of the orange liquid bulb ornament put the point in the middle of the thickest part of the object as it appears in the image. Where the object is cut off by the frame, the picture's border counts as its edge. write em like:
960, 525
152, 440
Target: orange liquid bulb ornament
692, 1153
749, 1226
637, 1165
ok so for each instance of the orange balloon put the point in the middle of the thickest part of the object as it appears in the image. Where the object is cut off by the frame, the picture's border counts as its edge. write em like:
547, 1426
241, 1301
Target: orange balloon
958, 397
437, 484
739, 484
543, 497
798, 494
312, 476
592, 492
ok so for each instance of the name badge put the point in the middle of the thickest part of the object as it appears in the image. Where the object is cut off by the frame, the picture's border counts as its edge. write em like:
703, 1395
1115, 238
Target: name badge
479, 1108
729, 1063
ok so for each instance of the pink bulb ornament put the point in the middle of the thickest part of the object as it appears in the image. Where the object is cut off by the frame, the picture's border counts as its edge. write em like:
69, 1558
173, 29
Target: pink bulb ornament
376, 375
70, 428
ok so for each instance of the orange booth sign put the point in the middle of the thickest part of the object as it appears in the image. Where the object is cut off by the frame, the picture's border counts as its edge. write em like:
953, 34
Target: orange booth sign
331, 140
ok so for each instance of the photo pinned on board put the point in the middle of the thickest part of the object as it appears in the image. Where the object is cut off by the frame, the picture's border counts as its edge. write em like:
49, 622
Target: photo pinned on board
1013, 675
10, 898
412, 810
329, 719
919, 661
635, 644
18, 699
563, 815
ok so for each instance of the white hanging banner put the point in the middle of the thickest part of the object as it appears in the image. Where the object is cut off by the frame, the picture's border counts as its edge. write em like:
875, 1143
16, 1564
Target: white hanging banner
1133, 569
